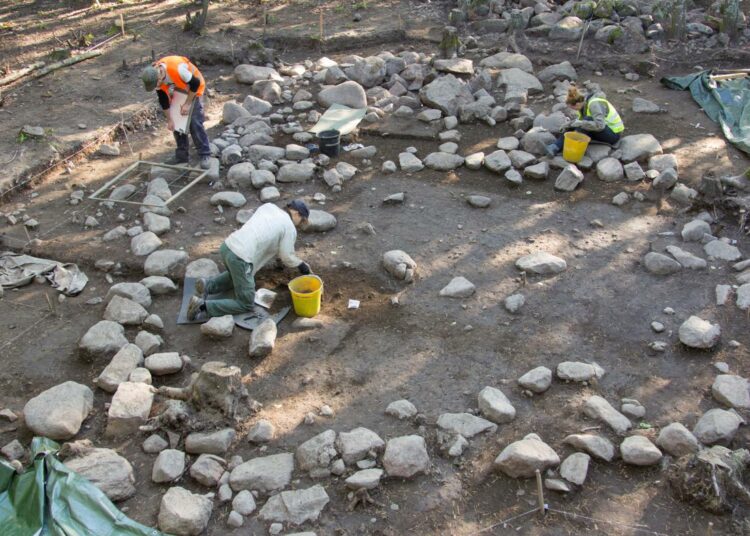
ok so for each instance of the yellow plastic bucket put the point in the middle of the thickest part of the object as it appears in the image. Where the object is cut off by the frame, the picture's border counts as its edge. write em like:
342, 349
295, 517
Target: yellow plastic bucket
307, 291
575, 146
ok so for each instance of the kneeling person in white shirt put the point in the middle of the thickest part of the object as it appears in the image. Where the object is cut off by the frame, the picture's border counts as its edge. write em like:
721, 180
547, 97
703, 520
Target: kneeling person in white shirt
268, 234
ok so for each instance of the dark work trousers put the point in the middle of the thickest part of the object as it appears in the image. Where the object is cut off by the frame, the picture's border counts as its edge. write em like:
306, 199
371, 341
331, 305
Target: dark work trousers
603, 136
197, 132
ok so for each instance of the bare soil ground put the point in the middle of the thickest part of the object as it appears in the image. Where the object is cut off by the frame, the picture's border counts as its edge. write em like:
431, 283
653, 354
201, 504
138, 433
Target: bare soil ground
436, 352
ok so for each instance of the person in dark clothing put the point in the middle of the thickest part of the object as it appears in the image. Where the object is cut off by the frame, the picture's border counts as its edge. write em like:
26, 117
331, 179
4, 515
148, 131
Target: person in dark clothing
177, 73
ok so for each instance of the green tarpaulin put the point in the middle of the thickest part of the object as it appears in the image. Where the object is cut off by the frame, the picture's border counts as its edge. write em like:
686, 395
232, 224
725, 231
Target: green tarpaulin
48, 499
726, 102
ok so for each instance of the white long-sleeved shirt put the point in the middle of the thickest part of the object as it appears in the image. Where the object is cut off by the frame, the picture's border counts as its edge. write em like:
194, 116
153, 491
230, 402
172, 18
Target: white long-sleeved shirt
269, 233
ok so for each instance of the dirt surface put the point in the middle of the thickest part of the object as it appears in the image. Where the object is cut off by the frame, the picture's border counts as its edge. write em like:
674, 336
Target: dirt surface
436, 352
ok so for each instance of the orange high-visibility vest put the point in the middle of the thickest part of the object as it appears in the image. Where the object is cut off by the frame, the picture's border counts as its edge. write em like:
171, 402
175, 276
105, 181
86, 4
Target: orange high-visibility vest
171, 63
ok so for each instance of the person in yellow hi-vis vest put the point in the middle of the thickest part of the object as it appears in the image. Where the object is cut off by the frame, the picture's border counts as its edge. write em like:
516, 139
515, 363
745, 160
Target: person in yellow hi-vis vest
597, 118
177, 73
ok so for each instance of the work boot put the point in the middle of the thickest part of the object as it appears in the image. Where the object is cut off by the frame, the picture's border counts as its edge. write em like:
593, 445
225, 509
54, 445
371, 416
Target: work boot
551, 149
205, 162
175, 161
196, 309
201, 284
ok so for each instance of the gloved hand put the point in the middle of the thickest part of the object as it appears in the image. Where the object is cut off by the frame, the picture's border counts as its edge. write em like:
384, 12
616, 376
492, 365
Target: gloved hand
304, 268
565, 126
576, 124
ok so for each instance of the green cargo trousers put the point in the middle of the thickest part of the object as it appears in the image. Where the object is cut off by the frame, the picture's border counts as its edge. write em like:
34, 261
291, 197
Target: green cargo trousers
238, 277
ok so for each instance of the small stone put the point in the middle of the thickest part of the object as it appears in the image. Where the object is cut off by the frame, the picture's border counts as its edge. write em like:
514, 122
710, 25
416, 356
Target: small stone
659, 264
541, 263
129, 409
478, 201
235, 520
164, 363
13, 450
210, 443
261, 432
401, 409
719, 249
578, 371
244, 503
459, 287
620, 199
356, 444
263, 339
514, 303
537, 380
207, 470
658, 327
154, 444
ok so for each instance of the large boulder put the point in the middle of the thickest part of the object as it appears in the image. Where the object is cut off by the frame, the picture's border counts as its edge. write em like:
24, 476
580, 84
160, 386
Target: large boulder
447, 94
295, 507
567, 29
639, 147
105, 469
102, 339
698, 333
717, 426
406, 456
249, 74
368, 71
560, 71
515, 80
349, 94
166, 262
232, 112
266, 474
507, 60
522, 458
58, 412
183, 513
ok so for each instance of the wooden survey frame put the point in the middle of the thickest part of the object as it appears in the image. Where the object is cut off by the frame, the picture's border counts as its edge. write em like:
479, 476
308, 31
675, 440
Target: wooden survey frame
137, 166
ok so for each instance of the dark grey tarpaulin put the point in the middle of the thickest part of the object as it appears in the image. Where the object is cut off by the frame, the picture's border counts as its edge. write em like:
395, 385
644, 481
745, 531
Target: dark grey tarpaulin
726, 102
19, 270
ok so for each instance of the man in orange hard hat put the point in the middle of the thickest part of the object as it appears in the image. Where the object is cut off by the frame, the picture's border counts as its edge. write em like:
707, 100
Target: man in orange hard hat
176, 73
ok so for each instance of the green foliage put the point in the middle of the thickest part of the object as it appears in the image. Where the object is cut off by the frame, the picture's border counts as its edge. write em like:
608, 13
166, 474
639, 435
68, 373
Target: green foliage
22, 137
614, 35
584, 10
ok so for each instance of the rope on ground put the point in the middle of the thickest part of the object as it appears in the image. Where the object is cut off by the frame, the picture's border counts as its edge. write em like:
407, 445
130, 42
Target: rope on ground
640, 528
505, 521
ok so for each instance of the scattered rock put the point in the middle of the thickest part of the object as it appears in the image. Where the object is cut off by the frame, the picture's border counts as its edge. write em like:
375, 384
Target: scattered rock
677, 440
718, 249
295, 507
366, 479
244, 503
125, 361
514, 303
401, 409
102, 339
659, 264
183, 513
317, 452
575, 467
698, 333
400, 265
536, 380
577, 371
495, 405
406, 456
219, 327
263, 339
125, 312
459, 287
731, 391
356, 444
597, 407
129, 409
638, 450
58, 412
465, 424
210, 443
164, 363
261, 432
717, 426
266, 474
522, 458
541, 263
207, 470
168, 466
104, 468
597, 446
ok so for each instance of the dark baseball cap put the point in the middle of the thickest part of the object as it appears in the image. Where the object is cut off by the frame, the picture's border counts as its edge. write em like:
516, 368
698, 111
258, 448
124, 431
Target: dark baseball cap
300, 207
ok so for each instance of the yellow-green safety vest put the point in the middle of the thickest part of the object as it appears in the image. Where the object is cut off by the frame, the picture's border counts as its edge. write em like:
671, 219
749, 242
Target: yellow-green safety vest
613, 120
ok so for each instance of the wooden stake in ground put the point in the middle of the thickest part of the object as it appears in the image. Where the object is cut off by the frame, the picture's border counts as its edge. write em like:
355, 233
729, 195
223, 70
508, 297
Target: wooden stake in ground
540, 492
